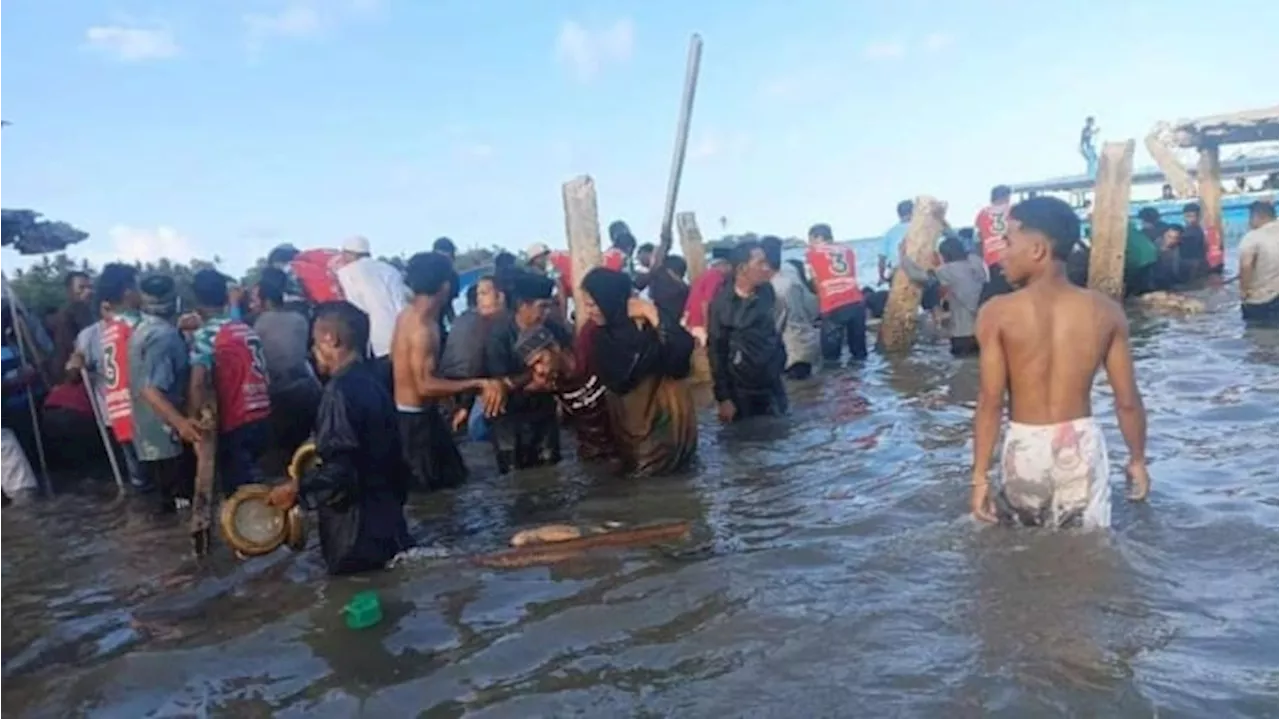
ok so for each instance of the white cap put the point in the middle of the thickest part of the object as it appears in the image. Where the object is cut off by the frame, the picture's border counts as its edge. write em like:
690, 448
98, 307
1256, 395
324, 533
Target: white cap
536, 249
356, 245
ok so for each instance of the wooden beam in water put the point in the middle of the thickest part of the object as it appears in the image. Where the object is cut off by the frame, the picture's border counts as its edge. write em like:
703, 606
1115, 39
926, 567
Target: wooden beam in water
582, 230
898, 329
1209, 175
1111, 218
695, 253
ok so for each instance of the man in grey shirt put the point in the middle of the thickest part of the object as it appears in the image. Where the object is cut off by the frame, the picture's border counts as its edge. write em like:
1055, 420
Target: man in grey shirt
963, 275
88, 349
797, 312
286, 335
159, 373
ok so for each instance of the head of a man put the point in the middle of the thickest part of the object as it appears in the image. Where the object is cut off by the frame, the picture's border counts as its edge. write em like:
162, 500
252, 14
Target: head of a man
530, 296
1261, 213
489, 297
1042, 233
1001, 194
750, 268
821, 234
1191, 214
644, 255
339, 336
620, 237
1149, 220
905, 208
79, 287
445, 246
430, 276
118, 287
355, 248
159, 296
211, 291
543, 354
537, 256
772, 247
281, 255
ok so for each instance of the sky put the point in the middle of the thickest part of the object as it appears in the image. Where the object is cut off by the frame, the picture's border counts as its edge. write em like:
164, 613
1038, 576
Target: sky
194, 129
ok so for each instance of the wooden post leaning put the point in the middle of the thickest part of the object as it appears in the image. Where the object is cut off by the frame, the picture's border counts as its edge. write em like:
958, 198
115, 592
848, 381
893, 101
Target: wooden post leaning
582, 230
1111, 219
695, 253
202, 498
898, 329
1209, 180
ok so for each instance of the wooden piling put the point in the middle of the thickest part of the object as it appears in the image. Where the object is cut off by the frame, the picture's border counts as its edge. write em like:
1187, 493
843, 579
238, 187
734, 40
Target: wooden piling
695, 254
898, 328
582, 229
1209, 179
1111, 218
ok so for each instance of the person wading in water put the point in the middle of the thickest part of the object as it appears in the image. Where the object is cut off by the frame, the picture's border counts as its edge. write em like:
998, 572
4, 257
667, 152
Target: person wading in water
360, 485
992, 224
744, 347
1045, 342
425, 438
835, 275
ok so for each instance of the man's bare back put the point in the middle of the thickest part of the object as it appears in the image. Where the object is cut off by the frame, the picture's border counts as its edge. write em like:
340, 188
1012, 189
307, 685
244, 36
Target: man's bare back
1050, 342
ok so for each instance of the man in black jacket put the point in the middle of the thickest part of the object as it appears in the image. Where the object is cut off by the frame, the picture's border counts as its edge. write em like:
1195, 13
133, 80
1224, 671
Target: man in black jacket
743, 345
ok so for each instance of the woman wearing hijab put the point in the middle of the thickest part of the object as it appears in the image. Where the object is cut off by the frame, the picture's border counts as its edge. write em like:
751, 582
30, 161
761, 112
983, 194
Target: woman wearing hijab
642, 357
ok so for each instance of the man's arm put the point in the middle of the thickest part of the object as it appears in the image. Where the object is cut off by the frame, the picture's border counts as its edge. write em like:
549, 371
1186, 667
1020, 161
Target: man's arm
1130, 413
161, 366
993, 381
718, 349
422, 364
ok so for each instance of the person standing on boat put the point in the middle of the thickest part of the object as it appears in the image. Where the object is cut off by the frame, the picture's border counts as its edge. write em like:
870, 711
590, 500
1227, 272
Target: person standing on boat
1260, 267
1087, 149
1043, 345
992, 224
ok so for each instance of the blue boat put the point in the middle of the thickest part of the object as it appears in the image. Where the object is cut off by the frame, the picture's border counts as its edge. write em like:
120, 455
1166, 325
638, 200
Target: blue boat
1235, 206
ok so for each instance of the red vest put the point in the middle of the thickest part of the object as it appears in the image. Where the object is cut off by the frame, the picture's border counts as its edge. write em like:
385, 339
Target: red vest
115, 376
1213, 247
317, 272
991, 226
835, 276
563, 264
239, 376
615, 259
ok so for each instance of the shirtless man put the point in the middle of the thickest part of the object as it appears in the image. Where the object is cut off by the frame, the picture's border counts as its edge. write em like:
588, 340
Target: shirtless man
426, 440
1045, 342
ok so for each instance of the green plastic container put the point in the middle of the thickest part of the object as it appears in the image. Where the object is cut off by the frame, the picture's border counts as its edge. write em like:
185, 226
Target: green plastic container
363, 611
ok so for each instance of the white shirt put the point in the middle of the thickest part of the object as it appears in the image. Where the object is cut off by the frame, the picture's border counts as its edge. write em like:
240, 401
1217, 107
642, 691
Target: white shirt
379, 290
1261, 248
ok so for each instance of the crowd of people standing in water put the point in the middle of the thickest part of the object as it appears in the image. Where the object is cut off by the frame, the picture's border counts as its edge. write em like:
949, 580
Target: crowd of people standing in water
383, 378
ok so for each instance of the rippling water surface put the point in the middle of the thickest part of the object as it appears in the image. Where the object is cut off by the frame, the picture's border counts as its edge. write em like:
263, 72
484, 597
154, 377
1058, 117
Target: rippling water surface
832, 573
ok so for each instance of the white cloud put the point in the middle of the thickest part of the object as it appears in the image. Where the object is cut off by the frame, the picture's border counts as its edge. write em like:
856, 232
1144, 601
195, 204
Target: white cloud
132, 44
884, 50
936, 41
302, 19
142, 244
586, 51
294, 20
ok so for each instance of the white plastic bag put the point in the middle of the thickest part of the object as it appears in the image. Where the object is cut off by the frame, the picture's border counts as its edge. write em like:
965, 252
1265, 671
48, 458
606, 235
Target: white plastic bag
16, 475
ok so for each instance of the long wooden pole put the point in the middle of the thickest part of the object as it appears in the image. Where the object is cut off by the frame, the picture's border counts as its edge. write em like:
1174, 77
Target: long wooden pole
898, 328
1111, 218
681, 147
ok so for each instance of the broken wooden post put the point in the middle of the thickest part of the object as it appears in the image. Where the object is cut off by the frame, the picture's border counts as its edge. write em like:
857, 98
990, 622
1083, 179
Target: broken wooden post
1111, 218
898, 328
582, 229
1158, 145
1209, 178
695, 254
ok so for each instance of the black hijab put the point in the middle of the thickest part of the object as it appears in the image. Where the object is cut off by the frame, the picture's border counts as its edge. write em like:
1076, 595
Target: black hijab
624, 353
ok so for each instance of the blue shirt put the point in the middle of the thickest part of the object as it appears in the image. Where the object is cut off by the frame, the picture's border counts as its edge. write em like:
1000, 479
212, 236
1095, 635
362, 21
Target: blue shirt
892, 240
157, 358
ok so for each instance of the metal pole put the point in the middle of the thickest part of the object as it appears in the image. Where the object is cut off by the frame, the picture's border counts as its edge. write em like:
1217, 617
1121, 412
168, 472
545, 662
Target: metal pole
100, 420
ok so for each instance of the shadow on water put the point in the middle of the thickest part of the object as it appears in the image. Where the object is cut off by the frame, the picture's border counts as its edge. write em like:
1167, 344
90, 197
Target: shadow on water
832, 572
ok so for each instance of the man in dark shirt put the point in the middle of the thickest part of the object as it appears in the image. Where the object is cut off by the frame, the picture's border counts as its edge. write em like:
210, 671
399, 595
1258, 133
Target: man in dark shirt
667, 287
744, 347
361, 484
1191, 246
526, 434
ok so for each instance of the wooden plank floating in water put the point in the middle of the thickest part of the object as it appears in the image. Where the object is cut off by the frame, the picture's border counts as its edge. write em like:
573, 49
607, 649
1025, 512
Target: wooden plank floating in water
552, 552
1111, 218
